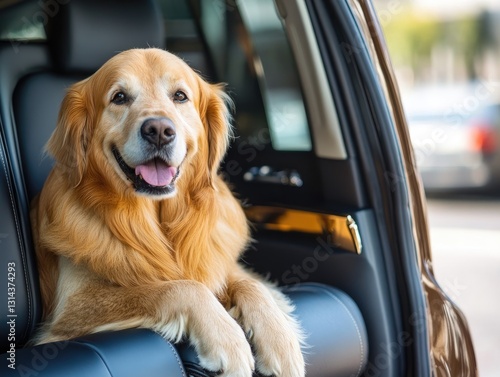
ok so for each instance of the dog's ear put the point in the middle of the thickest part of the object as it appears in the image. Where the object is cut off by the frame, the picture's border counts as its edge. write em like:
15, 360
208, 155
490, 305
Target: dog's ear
69, 141
216, 118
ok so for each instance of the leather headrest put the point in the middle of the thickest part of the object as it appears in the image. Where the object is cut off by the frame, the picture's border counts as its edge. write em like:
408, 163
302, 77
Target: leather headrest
84, 34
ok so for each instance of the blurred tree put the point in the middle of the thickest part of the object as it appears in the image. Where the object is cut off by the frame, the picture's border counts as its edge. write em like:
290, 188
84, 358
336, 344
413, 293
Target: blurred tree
412, 37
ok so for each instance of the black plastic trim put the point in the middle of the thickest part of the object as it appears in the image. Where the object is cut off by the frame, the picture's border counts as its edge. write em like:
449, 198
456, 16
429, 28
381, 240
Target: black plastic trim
375, 135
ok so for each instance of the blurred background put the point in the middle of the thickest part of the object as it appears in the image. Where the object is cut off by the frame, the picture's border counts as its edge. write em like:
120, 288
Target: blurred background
446, 55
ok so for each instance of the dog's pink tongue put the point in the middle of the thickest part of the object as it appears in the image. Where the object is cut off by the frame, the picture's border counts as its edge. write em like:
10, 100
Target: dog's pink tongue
156, 172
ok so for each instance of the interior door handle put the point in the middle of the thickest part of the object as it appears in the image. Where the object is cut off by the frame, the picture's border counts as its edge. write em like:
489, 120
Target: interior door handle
266, 174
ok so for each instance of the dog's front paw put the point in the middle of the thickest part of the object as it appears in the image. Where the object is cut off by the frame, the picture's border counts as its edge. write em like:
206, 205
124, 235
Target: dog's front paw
275, 335
278, 351
225, 349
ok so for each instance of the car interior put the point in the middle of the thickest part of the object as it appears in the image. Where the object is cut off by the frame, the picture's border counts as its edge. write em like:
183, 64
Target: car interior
296, 163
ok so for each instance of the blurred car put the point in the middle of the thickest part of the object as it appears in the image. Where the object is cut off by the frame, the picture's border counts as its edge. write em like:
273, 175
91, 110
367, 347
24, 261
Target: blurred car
322, 160
456, 137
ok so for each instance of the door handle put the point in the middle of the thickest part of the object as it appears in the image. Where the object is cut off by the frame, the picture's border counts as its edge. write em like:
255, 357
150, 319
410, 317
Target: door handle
266, 174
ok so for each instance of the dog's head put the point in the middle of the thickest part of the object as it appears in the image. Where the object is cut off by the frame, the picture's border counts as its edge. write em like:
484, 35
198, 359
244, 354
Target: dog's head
145, 121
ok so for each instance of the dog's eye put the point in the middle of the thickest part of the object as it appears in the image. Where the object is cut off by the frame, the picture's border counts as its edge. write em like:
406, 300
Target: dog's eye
180, 96
119, 98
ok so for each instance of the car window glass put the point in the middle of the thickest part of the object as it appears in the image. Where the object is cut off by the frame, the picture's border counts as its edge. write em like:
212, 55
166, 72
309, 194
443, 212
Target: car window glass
27, 27
250, 52
277, 75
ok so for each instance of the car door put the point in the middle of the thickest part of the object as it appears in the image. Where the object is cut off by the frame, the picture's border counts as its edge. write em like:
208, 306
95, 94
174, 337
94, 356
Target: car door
323, 162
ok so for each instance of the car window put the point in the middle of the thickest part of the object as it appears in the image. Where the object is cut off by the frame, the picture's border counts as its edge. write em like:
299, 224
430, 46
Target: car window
28, 31
279, 84
26, 24
250, 51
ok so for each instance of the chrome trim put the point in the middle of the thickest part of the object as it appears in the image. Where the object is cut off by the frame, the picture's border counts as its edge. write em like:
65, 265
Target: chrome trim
340, 231
356, 238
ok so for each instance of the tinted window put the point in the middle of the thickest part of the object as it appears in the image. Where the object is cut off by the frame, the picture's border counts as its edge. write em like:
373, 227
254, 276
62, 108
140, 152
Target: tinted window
250, 52
279, 84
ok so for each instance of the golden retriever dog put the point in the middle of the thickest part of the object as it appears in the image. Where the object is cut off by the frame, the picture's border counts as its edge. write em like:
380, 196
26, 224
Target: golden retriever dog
135, 228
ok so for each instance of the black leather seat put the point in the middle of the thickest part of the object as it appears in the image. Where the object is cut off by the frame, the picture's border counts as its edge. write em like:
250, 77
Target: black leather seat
81, 36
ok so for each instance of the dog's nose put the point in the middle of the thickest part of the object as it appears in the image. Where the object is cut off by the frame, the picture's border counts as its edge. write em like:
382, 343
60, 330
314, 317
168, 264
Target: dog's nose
158, 131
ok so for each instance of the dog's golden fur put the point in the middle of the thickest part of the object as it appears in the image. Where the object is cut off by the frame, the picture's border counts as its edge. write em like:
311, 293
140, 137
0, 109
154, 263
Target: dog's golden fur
113, 257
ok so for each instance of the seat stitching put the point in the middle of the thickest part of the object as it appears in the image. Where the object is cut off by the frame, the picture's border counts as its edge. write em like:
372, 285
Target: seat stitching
353, 320
19, 238
177, 358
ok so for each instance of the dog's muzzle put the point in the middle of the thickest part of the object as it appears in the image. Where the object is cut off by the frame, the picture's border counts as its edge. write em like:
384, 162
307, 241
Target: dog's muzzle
155, 175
